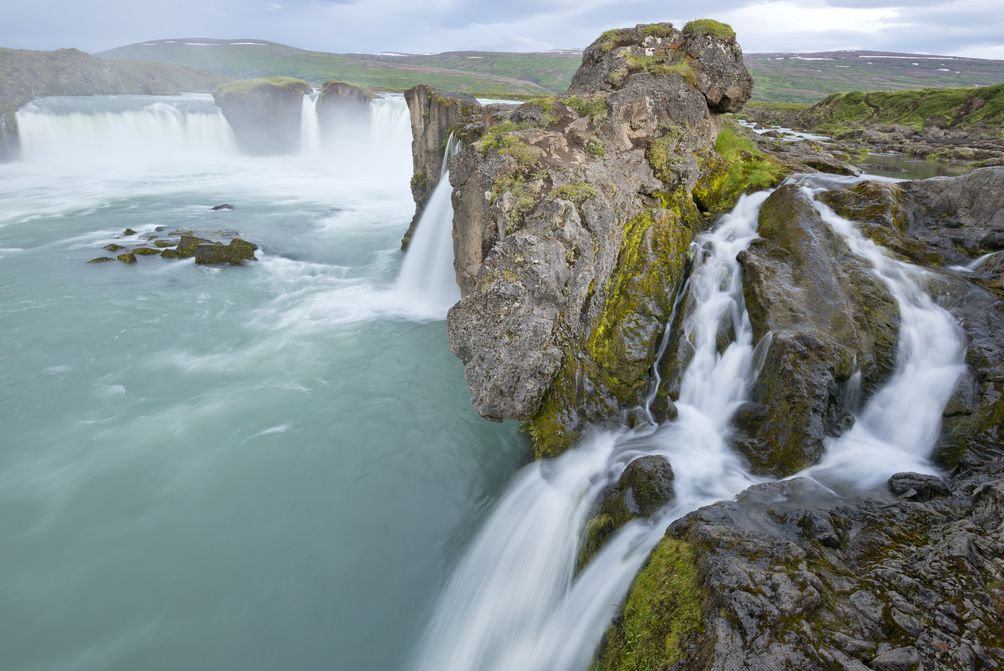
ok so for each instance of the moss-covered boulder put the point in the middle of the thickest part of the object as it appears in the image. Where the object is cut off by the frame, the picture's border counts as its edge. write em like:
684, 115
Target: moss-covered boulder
827, 317
573, 219
128, 258
234, 253
187, 245
264, 114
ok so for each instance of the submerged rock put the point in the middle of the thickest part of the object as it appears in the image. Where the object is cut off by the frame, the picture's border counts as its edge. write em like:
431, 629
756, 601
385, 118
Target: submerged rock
113, 247
101, 259
128, 232
128, 258
145, 251
224, 206
265, 114
235, 253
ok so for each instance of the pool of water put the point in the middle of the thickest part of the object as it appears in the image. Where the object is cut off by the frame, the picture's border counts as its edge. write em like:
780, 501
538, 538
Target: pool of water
260, 467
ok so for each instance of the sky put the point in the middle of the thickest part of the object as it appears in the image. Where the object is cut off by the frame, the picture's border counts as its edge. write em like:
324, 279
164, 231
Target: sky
973, 28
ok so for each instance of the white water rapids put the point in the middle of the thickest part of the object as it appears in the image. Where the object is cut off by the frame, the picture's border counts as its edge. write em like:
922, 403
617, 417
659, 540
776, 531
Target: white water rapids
515, 602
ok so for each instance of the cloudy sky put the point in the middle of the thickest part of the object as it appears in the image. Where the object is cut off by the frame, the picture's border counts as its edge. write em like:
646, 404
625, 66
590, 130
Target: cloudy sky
972, 28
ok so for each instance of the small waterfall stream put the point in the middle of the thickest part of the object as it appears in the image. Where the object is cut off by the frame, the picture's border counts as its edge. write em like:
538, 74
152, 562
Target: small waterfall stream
310, 125
427, 276
515, 602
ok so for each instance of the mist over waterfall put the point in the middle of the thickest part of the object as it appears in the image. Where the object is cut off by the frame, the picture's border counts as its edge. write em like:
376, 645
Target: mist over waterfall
137, 128
427, 276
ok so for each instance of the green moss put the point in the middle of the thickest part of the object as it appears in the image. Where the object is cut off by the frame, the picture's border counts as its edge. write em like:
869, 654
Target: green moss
146, 251
244, 86
657, 65
662, 609
525, 197
662, 156
594, 107
503, 139
548, 108
420, 182
722, 31
618, 37
735, 167
577, 192
658, 30
596, 147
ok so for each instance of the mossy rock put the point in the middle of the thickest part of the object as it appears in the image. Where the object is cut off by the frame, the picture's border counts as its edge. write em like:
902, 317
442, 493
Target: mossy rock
129, 258
128, 232
165, 243
170, 254
101, 259
722, 31
735, 167
189, 243
662, 609
113, 247
146, 251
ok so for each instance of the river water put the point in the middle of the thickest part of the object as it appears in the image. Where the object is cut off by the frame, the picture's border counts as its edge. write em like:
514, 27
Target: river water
264, 467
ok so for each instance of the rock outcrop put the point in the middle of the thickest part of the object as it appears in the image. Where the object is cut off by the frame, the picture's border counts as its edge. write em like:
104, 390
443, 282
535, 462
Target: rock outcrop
573, 217
342, 105
828, 318
434, 116
265, 114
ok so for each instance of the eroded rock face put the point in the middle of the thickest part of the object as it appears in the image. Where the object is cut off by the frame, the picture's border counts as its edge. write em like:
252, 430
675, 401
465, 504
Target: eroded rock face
434, 115
573, 216
264, 114
341, 105
829, 317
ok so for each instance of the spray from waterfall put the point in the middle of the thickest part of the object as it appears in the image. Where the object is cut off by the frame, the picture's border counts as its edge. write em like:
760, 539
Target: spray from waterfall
427, 277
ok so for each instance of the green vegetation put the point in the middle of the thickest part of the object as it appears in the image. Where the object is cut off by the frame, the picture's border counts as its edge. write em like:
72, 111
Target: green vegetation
524, 194
735, 167
503, 139
596, 147
944, 108
594, 107
722, 31
577, 192
662, 157
663, 607
617, 37
247, 85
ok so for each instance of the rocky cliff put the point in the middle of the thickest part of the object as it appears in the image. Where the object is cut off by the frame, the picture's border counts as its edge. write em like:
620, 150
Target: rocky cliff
573, 220
342, 105
27, 75
265, 114
434, 116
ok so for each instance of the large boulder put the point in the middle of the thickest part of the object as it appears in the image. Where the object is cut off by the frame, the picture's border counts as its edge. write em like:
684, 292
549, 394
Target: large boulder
435, 115
342, 105
573, 217
265, 114
827, 316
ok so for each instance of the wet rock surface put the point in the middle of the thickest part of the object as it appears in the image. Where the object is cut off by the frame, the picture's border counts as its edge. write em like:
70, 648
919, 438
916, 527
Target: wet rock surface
827, 317
183, 244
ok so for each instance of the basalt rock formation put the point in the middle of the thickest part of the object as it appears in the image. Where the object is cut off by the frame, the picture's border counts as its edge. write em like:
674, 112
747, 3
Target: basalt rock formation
434, 116
573, 218
69, 72
342, 105
265, 114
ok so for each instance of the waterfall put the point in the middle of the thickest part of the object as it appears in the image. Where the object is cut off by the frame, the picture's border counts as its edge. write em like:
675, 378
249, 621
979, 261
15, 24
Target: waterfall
310, 126
427, 277
514, 600
117, 128
900, 424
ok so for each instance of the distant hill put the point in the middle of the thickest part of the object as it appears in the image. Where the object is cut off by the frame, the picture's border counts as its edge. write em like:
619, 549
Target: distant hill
487, 74
780, 77
784, 77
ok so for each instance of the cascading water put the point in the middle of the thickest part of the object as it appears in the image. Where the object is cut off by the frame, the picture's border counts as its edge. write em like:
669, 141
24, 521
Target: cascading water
515, 602
310, 126
123, 128
427, 277
899, 425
